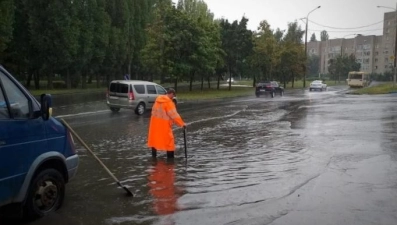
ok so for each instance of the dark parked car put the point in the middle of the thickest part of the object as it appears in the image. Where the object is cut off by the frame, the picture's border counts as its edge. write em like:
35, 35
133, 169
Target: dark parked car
269, 87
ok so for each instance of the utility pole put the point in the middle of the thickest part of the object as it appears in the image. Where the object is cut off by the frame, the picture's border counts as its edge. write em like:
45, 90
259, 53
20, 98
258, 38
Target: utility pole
307, 21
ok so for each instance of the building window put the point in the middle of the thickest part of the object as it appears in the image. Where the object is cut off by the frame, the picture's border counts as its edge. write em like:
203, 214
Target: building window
376, 59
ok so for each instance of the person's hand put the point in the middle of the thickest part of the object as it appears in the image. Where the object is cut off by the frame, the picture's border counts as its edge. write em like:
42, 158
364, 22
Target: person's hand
184, 127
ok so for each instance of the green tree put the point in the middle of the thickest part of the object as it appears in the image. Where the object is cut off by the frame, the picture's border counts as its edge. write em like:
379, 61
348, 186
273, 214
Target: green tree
153, 53
313, 37
139, 14
264, 54
237, 45
117, 47
340, 66
6, 23
314, 65
278, 34
55, 39
294, 33
293, 59
208, 54
100, 40
324, 35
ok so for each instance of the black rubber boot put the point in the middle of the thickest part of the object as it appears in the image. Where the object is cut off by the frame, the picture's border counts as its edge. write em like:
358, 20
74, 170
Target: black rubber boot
170, 154
154, 152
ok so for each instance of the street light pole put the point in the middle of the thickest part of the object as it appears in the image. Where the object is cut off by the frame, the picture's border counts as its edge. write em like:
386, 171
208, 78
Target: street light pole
395, 42
307, 21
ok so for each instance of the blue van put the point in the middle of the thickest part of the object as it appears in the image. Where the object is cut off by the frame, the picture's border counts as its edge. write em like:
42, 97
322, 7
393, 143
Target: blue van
37, 152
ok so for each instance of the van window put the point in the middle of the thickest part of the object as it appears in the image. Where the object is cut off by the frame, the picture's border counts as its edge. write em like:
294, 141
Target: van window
119, 88
139, 88
151, 89
18, 101
160, 90
3, 106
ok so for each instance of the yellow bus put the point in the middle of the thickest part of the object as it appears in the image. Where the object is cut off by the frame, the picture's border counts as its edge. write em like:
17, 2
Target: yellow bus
358, 79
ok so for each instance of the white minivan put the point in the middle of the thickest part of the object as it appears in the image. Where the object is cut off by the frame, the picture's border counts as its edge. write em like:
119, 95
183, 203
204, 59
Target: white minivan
133, 94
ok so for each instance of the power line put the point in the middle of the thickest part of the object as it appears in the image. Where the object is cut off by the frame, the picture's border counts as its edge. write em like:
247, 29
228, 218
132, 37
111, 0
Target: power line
341, 28
344, 31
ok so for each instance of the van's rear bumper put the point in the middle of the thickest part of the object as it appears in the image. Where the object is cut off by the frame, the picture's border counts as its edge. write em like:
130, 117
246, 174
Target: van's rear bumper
127, 105
72, 164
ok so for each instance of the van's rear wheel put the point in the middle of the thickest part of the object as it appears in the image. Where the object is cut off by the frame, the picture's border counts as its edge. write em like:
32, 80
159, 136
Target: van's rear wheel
140, 109
45, 195
114, 109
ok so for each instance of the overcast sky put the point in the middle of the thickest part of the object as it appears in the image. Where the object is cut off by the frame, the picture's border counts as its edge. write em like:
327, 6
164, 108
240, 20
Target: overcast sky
339, 14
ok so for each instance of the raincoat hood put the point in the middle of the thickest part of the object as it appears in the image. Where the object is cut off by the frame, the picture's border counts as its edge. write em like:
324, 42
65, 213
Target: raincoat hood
163, 99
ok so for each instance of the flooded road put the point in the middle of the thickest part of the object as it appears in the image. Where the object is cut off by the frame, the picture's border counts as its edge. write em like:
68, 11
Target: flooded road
304, 158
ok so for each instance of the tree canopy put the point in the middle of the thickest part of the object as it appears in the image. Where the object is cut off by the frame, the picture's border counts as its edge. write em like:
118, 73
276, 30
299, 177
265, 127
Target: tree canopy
103, 40
324, 35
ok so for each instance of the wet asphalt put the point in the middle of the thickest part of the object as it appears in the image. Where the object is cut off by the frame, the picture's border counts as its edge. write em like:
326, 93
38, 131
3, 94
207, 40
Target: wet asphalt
301, 159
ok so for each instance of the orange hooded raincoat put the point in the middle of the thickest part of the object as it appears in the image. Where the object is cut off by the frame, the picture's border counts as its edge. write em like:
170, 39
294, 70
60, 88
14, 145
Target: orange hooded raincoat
164, 115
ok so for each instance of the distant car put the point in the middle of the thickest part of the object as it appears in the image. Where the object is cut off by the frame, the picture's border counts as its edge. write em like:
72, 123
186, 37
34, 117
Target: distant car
228, 80
133, 94
269, 87
318, 85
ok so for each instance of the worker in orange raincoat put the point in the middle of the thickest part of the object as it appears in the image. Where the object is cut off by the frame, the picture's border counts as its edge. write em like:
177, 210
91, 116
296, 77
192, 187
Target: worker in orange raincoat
164, 115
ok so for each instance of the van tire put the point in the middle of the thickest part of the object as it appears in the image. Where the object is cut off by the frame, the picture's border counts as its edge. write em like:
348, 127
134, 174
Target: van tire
45, 194
140, 108
114, 109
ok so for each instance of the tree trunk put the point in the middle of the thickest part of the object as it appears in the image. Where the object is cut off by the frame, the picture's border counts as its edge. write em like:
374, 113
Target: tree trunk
83, 79
97, 80
68, 80
36, 77
202, 83
191, 83
176, 84
293, 81
129, 69
209, 82
29, 78
90, 79
50, 78
230, 77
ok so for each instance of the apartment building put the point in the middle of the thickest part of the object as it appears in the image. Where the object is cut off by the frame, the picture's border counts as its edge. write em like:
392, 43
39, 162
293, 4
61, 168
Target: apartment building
374, 53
